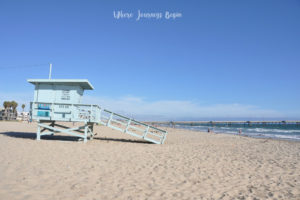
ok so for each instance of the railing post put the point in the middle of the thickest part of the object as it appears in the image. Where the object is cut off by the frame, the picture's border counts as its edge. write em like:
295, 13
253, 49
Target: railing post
38, 134
110, 118
128, 124
100, 112
85, 131
164, 138
91, 109
146, 132
52, 111
72, 112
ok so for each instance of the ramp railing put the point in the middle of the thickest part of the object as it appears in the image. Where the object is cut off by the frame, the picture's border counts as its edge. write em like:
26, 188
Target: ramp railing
65, 112
132, 127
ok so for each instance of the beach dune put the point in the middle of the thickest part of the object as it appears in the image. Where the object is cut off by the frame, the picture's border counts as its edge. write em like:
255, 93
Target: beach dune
190, 165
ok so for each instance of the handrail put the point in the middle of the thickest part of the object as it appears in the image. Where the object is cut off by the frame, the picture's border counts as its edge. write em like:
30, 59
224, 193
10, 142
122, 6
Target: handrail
141, 123
75, 104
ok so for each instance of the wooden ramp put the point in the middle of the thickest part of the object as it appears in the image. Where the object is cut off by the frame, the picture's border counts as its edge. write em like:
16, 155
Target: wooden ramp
132, 127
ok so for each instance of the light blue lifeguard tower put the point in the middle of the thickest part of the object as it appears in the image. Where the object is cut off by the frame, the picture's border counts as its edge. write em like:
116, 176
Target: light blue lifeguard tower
59, 100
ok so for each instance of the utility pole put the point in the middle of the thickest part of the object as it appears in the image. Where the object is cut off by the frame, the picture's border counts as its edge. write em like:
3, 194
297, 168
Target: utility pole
50, 70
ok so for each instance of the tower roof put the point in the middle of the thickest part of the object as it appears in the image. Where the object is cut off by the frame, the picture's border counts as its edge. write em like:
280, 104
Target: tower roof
84, 83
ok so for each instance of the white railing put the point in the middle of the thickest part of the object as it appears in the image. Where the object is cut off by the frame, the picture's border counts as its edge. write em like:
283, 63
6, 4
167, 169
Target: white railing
65, 112
132, 127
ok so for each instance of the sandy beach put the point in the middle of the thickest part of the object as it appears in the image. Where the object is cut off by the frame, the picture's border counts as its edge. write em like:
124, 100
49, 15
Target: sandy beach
190, 165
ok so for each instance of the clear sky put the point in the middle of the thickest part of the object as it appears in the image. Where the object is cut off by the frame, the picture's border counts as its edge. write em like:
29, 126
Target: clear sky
221, 59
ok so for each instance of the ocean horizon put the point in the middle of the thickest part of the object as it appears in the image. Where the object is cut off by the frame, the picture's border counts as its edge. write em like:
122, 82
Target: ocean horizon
274, 131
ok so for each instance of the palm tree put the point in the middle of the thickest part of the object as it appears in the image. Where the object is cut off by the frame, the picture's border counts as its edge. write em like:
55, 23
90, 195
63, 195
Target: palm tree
14, 106
10, 109
9, 103
5, 105
23, 106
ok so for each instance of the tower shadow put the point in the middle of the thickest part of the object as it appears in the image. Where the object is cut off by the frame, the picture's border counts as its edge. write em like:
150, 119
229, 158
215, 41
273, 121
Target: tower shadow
32, 136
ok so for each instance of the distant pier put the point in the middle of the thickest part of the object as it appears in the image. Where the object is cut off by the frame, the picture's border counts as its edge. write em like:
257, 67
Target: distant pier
233, 123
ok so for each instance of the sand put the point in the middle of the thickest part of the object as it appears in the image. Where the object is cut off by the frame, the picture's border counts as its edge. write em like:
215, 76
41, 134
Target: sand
190, 165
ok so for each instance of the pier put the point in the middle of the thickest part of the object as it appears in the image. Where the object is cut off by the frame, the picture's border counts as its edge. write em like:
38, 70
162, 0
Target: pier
234, 123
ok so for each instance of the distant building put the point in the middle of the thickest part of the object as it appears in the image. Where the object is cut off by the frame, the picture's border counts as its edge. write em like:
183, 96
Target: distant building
8, 114
23, 116
1, 113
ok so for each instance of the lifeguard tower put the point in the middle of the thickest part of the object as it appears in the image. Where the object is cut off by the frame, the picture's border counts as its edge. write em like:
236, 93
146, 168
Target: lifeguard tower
59, 100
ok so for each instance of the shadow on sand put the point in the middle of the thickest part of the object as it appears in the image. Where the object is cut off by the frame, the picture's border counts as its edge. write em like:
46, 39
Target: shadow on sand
121, 140
32, 136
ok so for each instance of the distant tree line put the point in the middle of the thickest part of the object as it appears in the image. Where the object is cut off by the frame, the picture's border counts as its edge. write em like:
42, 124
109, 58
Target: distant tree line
10, 110
12, 105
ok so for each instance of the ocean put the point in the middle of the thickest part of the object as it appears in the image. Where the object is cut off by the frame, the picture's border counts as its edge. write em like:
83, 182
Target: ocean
275, 131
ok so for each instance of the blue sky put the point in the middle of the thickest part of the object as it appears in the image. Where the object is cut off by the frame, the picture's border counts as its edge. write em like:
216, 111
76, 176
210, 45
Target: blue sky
221, 59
